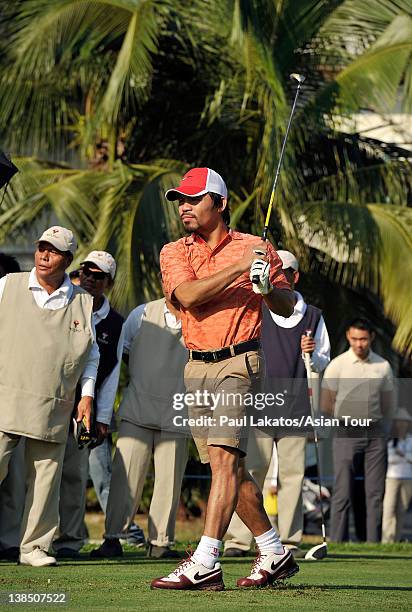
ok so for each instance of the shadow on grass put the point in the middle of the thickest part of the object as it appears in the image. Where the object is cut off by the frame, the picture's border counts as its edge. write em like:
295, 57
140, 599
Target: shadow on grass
227, 561
341, 587
372, 556
314, 589
130, 558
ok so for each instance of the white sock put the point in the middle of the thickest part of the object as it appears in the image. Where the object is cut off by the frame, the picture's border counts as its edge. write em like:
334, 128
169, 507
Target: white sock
207, 552
269, 542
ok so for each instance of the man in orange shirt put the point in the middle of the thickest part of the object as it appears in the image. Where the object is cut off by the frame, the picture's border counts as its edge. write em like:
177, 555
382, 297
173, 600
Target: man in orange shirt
209, 274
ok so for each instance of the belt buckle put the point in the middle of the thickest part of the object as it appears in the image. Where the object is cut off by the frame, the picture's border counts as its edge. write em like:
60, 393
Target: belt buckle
215, 356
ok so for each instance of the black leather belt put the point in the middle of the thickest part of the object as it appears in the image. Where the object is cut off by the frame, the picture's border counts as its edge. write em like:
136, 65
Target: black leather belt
226, 352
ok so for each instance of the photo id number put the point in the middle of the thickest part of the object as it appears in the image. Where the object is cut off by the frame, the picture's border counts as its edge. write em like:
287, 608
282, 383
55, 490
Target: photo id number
25, 597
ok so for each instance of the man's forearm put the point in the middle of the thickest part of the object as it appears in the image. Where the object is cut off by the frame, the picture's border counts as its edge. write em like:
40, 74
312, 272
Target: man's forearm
197, 292
280, 301
387, 404
327, 401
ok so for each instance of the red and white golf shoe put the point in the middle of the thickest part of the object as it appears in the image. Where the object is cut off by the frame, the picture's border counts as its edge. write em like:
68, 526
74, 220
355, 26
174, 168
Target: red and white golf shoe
269, 568
191, 575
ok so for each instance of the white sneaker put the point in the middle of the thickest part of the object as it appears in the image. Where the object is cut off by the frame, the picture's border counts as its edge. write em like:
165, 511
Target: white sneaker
37, 558
190, 574
268, 568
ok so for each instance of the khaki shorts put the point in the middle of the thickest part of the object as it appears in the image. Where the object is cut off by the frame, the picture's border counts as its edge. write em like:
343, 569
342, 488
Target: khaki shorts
230, 383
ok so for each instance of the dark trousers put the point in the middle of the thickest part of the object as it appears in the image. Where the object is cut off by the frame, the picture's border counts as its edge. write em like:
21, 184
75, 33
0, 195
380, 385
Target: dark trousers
348, 455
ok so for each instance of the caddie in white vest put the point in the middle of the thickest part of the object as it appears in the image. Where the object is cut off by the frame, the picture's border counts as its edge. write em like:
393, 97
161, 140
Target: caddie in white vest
46, 325
157, 357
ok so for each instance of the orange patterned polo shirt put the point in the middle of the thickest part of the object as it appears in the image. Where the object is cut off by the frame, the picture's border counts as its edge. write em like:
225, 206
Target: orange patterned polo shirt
235, 314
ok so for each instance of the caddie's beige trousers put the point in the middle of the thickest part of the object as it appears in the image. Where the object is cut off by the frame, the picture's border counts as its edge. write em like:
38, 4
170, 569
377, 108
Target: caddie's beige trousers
43, 463
73, 489
134, 449
398, 496
291, 462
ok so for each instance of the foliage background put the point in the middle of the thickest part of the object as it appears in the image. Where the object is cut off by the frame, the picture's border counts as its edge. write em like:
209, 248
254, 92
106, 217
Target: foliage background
105, 103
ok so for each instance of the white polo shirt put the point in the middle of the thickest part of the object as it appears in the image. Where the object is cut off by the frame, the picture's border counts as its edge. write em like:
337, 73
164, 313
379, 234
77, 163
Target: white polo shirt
358, 384
134, 322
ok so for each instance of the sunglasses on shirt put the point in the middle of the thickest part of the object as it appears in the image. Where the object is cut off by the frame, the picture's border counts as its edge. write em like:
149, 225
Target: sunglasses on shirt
94, 274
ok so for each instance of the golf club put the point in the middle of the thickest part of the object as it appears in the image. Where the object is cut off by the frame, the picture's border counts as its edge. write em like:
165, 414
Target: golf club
321, 550
299, 78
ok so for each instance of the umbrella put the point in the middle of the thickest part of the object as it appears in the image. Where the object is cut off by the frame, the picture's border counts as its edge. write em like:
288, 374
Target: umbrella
7, 169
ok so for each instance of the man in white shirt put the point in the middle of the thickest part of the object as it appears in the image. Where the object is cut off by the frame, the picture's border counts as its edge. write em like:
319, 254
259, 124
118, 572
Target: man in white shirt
13, 488
156, 356
357, 388
96, 277
284, 343
398, 486
47, 325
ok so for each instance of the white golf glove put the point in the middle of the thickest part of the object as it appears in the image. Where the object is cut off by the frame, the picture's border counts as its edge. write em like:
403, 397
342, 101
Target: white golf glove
261, 269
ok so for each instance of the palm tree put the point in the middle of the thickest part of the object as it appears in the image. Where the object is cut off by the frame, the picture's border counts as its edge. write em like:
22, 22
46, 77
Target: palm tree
130, 92
353, 209
76, 75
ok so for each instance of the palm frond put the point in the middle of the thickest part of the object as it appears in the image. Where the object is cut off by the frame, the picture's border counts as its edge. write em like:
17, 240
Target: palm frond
377, 182
373, 80
395, 262
100, 49
365, 20
25, 203
363, 247
142, 229
241, 206
130, 79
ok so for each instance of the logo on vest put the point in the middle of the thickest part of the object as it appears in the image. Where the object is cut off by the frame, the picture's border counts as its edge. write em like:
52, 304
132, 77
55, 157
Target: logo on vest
76, 326
104, 338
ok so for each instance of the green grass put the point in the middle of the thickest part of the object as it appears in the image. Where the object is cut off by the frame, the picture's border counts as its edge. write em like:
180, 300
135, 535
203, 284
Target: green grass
361, 577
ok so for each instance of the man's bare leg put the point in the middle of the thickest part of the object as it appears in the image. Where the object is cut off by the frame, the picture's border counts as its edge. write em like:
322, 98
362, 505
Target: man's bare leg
223, 496
232, 488
250, 503
273, 562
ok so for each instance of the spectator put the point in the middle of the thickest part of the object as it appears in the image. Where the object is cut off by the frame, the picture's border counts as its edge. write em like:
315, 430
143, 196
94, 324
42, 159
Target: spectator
8, 264
284, 342
358, 385
12, 489
398, 487
74, 276
156, 356
47, 325
96, 277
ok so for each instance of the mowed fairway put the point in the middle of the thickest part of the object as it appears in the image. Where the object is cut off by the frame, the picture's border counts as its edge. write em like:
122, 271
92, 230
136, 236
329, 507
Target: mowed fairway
360, 577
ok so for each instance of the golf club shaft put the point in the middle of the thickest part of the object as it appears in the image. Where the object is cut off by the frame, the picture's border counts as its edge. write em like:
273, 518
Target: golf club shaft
315, 432
319, 483
282, 153
255, 279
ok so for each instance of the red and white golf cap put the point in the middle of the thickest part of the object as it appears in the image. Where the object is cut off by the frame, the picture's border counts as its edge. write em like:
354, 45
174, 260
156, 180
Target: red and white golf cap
197, 182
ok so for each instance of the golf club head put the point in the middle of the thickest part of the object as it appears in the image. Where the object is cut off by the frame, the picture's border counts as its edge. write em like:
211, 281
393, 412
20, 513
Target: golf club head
297, 77
317, 552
